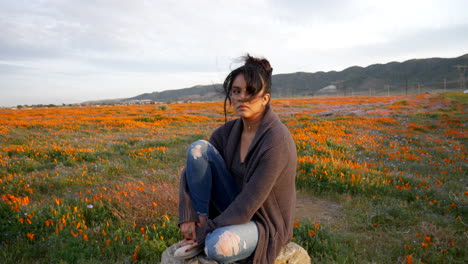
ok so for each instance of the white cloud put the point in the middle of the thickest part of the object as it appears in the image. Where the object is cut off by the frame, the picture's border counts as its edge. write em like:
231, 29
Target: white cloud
154, 45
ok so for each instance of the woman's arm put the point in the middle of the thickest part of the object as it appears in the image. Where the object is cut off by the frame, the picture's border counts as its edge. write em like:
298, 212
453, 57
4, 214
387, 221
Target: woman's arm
276, 162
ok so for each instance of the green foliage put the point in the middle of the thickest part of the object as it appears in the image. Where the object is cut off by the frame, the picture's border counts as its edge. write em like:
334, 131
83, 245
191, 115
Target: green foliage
324, 246
458, 97
102, 194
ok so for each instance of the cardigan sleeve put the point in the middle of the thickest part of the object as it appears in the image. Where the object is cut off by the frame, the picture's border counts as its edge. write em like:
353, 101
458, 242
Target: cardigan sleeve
275, 162
186, 211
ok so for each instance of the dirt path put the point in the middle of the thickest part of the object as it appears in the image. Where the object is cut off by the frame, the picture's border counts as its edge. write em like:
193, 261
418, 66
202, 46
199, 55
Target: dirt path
326, 212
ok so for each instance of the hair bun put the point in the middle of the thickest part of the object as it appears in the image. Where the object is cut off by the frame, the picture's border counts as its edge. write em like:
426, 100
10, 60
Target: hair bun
262, 62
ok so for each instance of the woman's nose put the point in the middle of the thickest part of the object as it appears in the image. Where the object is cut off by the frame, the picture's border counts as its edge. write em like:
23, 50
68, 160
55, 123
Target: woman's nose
244, 95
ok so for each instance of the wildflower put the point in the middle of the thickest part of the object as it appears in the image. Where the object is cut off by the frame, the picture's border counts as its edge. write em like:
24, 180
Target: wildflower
85, 237
30, 236
296, 223
409, 259
90, 206
312, 233
317, 225
427, 238
424, 245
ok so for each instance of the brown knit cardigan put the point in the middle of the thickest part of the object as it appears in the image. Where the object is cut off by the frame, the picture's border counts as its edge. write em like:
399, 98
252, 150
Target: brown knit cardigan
268, 193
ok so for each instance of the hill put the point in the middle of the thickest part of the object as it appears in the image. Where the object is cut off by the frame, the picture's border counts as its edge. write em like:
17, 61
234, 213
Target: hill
416, 75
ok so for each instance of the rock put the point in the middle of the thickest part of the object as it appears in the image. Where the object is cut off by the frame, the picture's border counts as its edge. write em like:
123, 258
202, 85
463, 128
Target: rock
168, 257
292, 253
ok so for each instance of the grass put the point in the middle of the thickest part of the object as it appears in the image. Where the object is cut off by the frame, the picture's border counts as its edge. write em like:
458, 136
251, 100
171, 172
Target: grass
100, 184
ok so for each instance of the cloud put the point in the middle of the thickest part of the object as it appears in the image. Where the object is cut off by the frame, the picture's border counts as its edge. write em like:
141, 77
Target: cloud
71, 44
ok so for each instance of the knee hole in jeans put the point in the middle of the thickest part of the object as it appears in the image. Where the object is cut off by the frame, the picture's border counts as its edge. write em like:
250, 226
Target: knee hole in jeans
220, 248
198, 148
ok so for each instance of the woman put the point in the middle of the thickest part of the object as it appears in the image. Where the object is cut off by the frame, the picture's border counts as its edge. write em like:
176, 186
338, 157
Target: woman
237, 192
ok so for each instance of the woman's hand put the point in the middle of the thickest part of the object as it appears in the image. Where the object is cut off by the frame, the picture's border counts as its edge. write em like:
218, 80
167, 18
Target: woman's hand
189, 233
188, 230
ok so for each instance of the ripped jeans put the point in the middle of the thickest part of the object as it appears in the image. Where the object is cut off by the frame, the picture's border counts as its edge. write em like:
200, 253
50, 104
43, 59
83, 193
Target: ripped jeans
208, 182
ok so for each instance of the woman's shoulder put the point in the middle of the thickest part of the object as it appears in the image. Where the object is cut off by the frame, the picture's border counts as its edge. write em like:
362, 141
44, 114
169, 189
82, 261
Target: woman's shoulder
278, 130
224, 130
226, 127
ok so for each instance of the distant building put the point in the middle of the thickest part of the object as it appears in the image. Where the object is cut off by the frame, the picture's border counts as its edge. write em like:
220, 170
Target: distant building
144, 101
326, 91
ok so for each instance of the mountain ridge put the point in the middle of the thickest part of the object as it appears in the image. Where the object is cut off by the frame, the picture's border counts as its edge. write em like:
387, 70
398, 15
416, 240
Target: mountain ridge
430, 74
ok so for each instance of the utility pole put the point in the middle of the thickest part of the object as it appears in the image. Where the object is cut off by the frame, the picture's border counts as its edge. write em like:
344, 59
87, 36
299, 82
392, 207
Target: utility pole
406, 86
445, 84
461, 71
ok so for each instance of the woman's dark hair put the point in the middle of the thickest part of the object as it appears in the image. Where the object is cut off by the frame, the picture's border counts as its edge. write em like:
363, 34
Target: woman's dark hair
257, 74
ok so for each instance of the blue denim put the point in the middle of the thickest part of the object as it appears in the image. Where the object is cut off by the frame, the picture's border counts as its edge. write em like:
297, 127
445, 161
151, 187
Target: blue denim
209, 181
208, 178
232, 243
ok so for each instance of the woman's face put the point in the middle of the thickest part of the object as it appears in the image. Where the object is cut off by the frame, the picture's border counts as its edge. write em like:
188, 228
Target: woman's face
247, 109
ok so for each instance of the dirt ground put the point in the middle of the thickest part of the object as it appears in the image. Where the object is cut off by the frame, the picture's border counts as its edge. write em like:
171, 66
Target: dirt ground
326, 212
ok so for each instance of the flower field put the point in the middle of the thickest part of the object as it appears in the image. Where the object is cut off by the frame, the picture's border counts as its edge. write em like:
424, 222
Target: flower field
100, 184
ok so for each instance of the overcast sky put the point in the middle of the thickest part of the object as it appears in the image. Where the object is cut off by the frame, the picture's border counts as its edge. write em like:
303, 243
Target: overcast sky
59, 51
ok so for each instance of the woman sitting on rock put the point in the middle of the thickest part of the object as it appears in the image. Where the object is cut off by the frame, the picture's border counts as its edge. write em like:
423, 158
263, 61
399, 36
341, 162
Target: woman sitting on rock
237, 192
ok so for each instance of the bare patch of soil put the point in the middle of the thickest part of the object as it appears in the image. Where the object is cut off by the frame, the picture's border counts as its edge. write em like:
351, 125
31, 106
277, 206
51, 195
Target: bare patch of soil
326, 212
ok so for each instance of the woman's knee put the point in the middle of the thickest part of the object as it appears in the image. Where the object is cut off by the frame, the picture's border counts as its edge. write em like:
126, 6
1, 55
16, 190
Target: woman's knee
202, 149
198, 149
222, 247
